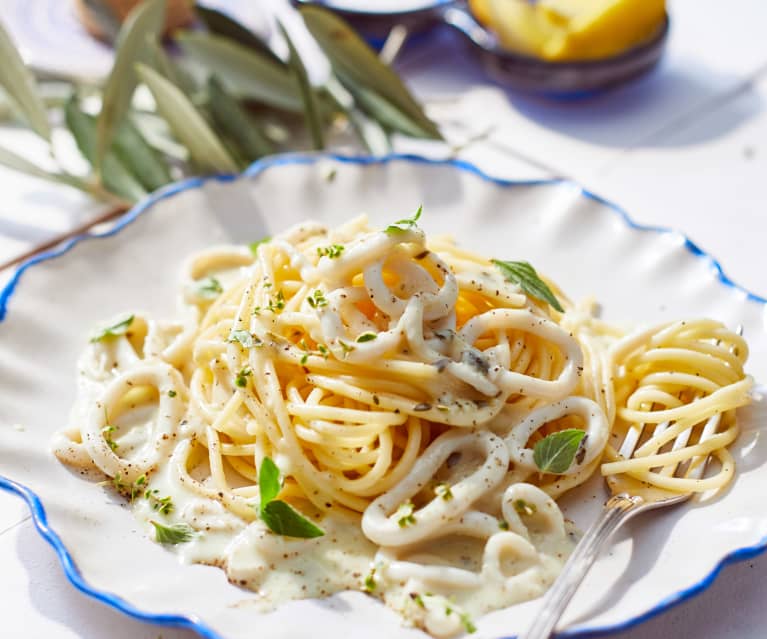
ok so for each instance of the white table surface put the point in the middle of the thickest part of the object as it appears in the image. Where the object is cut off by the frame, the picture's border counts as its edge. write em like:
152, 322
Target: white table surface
685, 146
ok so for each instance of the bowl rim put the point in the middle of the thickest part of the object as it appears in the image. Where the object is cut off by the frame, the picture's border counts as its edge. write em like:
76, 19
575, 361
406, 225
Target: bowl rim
192, 622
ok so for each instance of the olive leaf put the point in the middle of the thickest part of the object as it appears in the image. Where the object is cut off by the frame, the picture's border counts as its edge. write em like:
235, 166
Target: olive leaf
11, 160
221, 24
369, 132
115, 175
308, 94
19, 83
188, 125
245, 73
140, 158
236, 123
358, 67
157, 133
145, 21
172, 71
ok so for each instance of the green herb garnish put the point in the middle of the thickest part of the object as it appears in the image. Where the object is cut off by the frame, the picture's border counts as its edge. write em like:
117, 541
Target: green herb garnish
370, 580
323, 350
304, 358
173, 534
525, 276
163, 505
524, 508
253, 246
248, 340
172, 393
503, 524
333, 251
279, 516
556, 452
107, 431
277, 303
242, 377
120, 328
366, 337
347, 348
404, 514
468, 624
406, 224
317, 299
209, 288
443, 490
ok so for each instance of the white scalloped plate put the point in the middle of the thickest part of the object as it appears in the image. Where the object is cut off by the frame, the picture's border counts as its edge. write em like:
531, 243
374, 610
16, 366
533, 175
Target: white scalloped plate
587, 245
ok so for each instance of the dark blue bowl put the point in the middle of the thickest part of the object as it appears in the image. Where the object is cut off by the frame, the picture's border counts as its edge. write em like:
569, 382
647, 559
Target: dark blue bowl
557, 79
513, 70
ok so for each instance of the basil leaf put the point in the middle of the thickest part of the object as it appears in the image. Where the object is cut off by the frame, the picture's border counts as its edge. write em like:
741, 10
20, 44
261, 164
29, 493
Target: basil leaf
407, 223
525, 276
268, 482
556, 452
283, 519
253, 246
120, 328
174, 534
243, 337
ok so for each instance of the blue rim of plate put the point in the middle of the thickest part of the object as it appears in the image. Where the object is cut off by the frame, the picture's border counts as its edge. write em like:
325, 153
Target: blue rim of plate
191, 622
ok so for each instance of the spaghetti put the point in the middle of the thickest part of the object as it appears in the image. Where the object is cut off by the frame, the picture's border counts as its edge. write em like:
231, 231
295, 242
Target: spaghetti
405, 391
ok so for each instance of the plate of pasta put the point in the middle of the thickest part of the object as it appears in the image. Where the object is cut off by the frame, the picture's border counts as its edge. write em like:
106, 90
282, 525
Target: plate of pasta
380, 397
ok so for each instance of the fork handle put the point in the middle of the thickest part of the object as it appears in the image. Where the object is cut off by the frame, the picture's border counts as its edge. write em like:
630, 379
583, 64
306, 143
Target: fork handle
616, 511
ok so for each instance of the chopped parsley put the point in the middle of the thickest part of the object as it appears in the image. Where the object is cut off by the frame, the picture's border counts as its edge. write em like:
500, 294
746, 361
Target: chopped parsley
120, 328
304, 358
503, 524
107, 431
406, 224
131, 491
209, 288
366, 337
242, 377
417, 599
162, 505
443, 490
173, 534
370, 581
333, 251
323, 350
524, 508
253, 246
248, 340
172, 393
404, 514
347, 348
467, 623
317, 299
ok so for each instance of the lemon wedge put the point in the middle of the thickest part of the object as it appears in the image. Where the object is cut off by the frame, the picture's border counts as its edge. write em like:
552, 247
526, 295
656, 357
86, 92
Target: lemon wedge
566, 30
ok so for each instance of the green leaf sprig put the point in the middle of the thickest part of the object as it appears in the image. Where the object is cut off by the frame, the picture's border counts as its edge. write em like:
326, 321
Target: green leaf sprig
279, 516
174, 534
555, 453
525, 276
115, 330
209, 288
405, 224
224, 101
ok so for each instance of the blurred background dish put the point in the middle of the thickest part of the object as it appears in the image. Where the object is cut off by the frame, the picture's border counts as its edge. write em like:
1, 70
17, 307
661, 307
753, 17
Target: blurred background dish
55, 41
578, 66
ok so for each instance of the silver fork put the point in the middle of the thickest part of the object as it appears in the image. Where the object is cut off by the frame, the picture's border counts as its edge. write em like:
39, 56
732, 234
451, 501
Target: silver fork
629, 498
